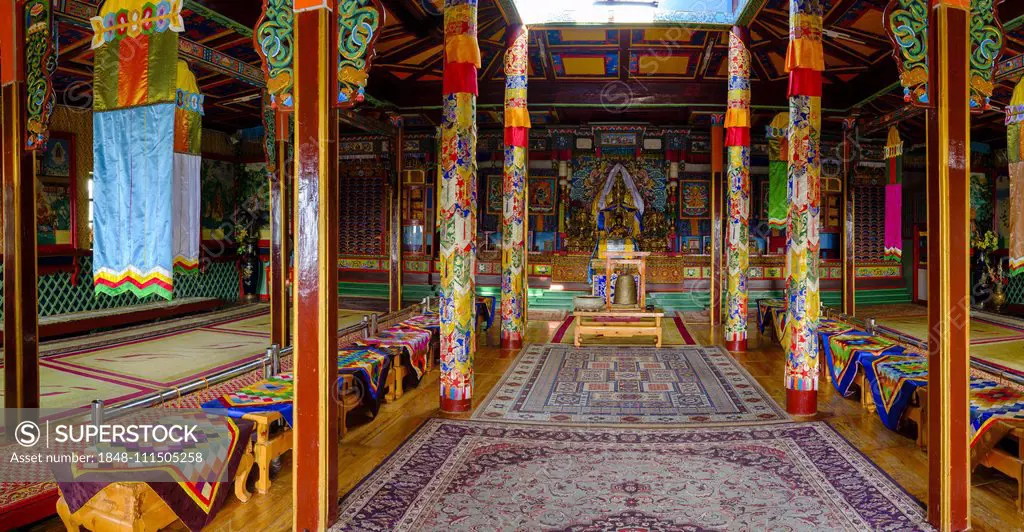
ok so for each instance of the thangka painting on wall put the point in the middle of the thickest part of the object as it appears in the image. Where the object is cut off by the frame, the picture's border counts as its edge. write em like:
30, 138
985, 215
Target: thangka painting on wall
495, 195
981, 203
218, 194
694, 198
542, 194
57, 160
55, 200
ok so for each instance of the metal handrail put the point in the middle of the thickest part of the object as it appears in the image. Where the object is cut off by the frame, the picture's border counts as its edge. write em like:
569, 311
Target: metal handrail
270, 362
868, 325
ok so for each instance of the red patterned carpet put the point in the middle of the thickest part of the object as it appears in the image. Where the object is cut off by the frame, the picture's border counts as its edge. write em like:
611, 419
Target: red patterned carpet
471, 475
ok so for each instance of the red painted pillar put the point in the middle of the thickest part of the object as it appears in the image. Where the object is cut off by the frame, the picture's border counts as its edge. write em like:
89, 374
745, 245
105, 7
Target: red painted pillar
315, 453
717, 198
21, 302
949, 317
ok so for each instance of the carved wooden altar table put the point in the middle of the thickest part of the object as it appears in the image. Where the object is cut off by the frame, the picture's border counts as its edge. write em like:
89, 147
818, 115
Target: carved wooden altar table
619, 324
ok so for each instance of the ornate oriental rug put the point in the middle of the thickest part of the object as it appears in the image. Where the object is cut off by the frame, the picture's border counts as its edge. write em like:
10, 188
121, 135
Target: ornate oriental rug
560, 384
466, 475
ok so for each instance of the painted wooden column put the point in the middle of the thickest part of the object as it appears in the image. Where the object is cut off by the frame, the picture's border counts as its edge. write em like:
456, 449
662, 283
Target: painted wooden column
280, 318
737, 141
848, 244
273, 39
457, 205
717, 190
513, 225
805, 63
25, 122
949, 318
314, 458
395, 222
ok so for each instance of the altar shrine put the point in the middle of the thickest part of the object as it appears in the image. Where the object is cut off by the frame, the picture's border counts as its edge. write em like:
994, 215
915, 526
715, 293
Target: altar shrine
410, 265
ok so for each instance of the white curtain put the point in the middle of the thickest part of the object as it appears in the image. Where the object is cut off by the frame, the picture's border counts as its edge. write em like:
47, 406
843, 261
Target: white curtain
185, 233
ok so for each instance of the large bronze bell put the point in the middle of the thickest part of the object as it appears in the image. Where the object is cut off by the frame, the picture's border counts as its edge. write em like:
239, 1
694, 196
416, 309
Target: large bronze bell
625, 290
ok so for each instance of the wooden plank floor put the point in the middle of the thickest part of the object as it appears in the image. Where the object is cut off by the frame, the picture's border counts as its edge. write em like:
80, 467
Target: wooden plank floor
369, 442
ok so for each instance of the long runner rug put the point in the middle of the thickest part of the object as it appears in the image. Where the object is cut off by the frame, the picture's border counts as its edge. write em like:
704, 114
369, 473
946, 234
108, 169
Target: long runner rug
466, 475
640, 386
673, 331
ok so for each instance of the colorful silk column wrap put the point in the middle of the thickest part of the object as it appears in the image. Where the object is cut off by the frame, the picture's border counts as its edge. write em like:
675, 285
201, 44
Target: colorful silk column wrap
134, 89
805, 63
894, 197
737, 141
188, 129
457, 205
1015, 156
778, 171
513, 232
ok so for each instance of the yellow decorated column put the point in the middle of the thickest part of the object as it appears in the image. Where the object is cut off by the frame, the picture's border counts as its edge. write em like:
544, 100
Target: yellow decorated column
737, 141
1015, 158
805, 63
513, 225
457, 205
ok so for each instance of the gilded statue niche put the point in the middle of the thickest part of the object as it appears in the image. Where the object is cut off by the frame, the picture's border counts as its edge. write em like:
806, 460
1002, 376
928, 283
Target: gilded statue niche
656, 230
581, 233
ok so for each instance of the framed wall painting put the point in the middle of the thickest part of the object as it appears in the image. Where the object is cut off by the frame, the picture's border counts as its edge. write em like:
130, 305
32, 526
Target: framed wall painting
542, 194
694, 198
495, 194
56, 194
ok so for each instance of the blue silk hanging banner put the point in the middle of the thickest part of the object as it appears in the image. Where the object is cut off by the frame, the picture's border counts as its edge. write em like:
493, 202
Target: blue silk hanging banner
135, 88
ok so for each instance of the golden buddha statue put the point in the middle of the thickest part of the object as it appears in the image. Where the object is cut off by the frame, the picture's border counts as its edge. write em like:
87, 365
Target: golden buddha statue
618, 212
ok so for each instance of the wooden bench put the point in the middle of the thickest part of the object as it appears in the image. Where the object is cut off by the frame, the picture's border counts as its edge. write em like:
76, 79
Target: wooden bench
618, 324
131, 506
270, 444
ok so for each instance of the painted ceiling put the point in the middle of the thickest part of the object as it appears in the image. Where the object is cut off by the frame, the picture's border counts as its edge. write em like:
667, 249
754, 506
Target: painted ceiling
665, 75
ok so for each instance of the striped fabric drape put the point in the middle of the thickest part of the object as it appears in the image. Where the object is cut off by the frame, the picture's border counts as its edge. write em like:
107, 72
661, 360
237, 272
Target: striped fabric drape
894, 197
134, 88
188, 128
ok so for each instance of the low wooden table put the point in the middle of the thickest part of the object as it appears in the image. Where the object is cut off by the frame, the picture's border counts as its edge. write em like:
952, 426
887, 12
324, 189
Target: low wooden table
619, 324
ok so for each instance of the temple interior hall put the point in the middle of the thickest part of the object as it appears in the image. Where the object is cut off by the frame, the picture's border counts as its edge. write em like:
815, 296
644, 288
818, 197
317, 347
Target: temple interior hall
575, 265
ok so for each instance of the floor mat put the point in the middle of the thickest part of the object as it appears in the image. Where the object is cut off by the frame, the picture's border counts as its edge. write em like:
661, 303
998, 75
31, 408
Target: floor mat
261, 324
490, 476
166, 360
668, 386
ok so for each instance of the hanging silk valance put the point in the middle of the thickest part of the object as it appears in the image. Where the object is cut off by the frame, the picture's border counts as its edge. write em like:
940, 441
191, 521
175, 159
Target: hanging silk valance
188, 129
778, 171
135, 90
1015, 157
894, 197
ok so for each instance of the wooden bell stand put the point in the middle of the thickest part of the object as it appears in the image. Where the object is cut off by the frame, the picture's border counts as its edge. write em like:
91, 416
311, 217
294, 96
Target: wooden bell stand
621, 321
626, 258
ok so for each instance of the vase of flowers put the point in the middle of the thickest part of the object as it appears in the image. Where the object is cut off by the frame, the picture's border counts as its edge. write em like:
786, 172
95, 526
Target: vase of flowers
999, 283
982, 245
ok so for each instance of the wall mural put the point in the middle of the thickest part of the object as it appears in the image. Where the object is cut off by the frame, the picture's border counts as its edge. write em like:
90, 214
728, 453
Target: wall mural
55, 193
